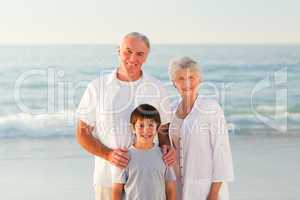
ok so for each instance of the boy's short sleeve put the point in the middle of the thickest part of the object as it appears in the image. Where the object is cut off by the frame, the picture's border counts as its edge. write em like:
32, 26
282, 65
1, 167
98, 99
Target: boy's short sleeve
120, 176
170, 174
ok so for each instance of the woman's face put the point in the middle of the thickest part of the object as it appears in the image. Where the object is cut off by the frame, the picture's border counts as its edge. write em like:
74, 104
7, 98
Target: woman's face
187, 81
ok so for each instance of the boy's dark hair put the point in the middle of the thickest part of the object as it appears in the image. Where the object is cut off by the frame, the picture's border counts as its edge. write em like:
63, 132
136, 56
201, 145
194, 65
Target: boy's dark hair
145, 111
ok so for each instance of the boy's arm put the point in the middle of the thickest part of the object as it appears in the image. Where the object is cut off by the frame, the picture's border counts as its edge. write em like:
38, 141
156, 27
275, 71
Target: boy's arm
171, 190
117, 189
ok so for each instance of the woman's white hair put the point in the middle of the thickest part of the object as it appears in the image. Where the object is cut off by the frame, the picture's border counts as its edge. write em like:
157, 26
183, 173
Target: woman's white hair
183, 63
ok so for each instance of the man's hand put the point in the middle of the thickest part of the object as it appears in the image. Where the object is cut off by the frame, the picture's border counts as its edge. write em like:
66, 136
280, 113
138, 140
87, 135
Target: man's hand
169, 155
119, 158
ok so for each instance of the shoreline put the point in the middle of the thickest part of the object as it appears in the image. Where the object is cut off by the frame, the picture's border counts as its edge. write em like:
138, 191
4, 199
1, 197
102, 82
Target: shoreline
264, 168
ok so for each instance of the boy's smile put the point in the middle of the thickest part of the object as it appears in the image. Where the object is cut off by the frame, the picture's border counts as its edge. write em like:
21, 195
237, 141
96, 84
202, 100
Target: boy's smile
145, 130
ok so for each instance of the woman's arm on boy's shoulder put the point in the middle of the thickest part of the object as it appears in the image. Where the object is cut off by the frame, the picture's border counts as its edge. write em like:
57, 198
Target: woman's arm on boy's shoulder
169, 154
171, 190
117, 189
163, 134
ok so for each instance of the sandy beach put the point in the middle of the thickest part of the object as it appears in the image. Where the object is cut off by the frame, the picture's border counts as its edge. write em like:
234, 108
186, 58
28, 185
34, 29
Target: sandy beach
266, 167
57, 169
46, 169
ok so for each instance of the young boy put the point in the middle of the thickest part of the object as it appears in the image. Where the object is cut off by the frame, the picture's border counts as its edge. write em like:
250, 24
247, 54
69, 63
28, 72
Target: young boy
146, 177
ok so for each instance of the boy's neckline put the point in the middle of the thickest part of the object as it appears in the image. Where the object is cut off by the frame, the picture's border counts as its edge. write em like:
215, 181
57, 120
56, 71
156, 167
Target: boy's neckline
142, 149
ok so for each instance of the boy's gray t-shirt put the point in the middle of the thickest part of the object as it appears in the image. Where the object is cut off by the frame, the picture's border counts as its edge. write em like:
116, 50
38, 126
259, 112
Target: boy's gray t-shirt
145, 175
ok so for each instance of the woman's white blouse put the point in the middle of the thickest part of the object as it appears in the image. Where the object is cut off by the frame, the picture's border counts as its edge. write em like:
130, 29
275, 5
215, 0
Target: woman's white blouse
203, 150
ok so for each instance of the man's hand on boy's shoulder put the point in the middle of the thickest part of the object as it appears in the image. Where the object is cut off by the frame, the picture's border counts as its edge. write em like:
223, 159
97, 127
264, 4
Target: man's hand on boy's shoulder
169, 155
119, 158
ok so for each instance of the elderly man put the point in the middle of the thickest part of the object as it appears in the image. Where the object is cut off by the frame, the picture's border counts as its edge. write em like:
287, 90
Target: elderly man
104, 111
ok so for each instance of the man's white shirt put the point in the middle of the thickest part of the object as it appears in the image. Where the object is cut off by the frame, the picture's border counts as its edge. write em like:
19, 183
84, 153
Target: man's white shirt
107, 105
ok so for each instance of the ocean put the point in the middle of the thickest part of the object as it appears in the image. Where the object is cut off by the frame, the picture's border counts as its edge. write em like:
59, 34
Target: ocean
256, 85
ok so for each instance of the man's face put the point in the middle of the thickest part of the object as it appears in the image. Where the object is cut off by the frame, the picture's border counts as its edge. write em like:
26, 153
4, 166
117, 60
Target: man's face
133, 53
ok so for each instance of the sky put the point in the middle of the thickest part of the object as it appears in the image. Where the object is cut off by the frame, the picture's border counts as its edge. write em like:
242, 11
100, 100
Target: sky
163, 21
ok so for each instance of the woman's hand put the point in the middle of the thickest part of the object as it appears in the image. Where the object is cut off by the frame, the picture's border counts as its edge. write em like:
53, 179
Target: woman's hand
169, 155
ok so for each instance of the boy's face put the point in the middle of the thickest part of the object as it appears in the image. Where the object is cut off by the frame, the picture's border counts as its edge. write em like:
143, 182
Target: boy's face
145, 130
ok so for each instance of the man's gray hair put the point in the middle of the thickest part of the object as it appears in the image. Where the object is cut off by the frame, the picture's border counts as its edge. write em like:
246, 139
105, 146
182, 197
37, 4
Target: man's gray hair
183, 63
140, 36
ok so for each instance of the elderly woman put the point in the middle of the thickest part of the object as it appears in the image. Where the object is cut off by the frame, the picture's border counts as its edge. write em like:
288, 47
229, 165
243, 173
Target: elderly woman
199, 134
